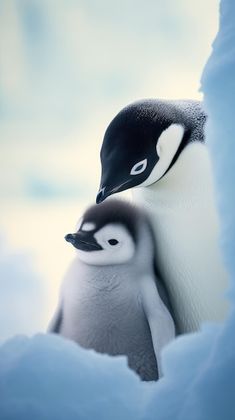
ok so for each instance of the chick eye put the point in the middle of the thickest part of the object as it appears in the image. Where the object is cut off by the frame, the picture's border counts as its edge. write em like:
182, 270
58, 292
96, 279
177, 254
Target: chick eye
113, 241
139, 167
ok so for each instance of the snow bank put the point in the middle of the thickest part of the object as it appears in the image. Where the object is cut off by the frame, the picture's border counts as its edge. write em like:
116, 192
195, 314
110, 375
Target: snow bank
218, 84
49, 377
22, 297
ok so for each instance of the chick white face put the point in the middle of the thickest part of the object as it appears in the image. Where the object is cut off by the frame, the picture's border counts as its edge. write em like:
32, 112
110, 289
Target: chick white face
110, 245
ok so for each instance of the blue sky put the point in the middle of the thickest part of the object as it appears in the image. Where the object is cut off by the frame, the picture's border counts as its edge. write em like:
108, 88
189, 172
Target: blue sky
67, 67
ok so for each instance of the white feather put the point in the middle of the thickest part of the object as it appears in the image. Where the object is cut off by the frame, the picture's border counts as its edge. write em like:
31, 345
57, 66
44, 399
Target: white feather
183, 212
167, 146
117, 254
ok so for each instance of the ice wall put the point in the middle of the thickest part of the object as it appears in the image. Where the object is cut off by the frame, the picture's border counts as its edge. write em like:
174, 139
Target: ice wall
218, 85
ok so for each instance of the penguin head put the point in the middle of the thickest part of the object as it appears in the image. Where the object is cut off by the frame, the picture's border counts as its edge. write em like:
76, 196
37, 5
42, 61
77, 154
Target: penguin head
143, 141
107, 234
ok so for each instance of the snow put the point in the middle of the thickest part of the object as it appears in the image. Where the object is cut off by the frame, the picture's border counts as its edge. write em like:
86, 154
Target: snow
48, 377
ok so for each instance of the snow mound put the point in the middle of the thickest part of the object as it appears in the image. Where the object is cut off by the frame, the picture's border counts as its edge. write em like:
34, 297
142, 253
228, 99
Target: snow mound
48, 377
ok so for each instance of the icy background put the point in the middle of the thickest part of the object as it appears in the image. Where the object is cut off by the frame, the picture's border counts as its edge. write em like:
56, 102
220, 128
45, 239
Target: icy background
46, 377
67, 67
22, 296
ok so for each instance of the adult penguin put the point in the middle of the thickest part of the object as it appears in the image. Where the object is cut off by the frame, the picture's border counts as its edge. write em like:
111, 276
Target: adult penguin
159, 147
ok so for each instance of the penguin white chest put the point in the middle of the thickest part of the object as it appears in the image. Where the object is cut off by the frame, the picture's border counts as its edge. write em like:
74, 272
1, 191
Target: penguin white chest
184, 217
99, 305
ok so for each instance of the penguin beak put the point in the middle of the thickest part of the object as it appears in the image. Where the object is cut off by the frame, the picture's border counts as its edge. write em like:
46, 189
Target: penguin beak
84, 241
105, 192
102, 195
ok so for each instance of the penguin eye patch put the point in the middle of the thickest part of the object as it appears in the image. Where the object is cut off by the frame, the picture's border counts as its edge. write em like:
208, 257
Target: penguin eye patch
88, 226
139, 167
113, 242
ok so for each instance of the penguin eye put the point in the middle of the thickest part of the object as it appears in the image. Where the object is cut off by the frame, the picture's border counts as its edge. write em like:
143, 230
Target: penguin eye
139, 167
113, 241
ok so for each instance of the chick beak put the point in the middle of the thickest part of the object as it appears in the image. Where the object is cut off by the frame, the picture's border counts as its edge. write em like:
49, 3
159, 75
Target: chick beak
84, 241
70, 237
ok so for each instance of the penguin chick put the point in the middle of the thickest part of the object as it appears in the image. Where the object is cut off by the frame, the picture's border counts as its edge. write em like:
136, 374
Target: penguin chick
158, 146
111, 300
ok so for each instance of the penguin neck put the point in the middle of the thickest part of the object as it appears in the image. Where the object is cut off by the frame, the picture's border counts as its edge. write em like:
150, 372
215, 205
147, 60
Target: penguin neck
108, 278
188, 182
105, 278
